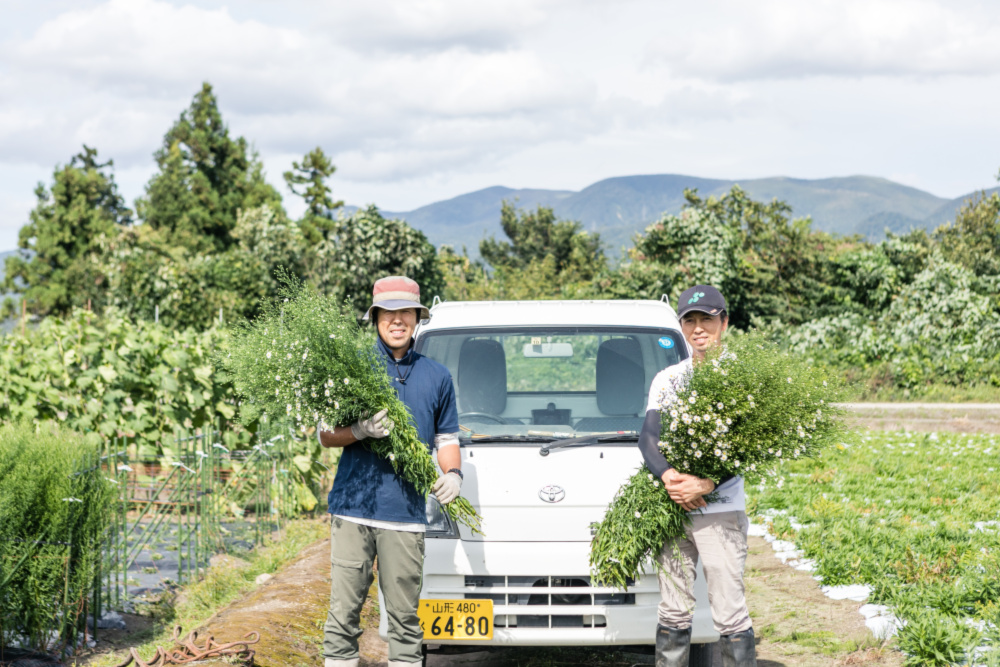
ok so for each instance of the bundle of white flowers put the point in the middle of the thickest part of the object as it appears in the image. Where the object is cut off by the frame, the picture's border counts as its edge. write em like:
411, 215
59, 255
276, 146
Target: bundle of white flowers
306, 360
742, 411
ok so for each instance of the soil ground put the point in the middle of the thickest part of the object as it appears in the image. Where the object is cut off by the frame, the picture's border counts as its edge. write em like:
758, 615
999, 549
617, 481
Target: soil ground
796, 624
951, 417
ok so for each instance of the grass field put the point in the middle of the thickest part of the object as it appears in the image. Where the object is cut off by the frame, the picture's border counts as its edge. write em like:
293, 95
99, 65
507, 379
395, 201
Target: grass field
915, 516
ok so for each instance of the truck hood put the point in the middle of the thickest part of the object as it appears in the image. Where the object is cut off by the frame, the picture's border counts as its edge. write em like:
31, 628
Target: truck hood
525, 497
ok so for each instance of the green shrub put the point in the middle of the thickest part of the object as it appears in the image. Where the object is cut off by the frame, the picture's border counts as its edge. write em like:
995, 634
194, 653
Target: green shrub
54, 511
115, 377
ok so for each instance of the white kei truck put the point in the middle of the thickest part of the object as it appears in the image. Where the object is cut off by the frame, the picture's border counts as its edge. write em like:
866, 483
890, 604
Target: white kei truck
551, 398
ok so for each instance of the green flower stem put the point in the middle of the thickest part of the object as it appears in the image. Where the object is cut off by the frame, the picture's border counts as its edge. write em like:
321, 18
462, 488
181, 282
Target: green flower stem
743, 411
305, 360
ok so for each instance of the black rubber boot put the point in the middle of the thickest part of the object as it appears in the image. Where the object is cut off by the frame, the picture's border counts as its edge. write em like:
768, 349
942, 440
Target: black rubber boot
672, 646
738, 649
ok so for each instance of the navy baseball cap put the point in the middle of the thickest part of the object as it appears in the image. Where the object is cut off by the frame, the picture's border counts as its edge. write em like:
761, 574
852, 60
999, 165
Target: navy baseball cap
703, 298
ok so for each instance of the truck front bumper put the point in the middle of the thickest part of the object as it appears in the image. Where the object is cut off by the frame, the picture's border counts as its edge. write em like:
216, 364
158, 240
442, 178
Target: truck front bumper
544, 590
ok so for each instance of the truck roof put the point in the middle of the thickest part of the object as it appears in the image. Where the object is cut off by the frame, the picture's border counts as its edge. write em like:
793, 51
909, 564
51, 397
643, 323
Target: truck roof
464, 314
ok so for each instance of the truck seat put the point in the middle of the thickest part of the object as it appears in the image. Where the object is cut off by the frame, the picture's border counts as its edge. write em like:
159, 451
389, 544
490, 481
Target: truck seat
620, 383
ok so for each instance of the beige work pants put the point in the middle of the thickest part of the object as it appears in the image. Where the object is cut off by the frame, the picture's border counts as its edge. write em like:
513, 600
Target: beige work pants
353, 549
720, 540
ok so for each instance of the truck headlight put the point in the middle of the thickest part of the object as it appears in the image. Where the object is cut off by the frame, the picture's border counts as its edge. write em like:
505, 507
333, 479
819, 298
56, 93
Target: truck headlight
439, 524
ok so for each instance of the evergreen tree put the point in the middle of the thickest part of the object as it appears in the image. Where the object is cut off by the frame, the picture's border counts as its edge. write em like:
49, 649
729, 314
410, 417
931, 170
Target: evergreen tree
55, 270
312, 173
205, 178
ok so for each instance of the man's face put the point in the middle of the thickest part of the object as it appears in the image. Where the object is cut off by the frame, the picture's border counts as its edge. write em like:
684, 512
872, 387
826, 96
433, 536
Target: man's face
395, 327
702, 330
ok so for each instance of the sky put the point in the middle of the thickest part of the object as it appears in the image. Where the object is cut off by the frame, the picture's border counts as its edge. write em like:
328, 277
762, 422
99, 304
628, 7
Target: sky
422, 100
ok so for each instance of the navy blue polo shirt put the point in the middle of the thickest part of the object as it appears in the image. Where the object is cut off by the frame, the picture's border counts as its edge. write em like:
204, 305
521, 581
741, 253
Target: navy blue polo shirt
366, 486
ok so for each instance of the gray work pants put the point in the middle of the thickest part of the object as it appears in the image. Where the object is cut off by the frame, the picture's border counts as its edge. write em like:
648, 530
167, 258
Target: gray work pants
720, 540
353, 549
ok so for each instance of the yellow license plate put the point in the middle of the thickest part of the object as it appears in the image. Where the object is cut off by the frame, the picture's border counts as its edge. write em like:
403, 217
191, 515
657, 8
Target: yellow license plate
456, 619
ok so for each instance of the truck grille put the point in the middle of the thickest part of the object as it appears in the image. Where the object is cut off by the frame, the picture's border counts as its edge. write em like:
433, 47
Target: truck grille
551, 592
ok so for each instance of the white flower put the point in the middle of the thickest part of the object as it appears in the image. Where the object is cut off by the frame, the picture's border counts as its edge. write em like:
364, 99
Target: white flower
779, 453
288, 409
719, 405
638, 515
326, 392
275, 392
690, 431
305, 354
728, 421
332, 336
656, 484
824, 383
277, 378
789, 380
336, 405
692, 400
288, 356
750, 397
718, 452
650, 476
269, 354
723, 457
694, 392
697, 454
697, 418
347, 380
673, 426
736, 463
392, 457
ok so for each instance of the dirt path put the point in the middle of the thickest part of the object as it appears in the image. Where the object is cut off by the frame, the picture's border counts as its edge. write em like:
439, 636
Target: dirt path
952, 417
796, 623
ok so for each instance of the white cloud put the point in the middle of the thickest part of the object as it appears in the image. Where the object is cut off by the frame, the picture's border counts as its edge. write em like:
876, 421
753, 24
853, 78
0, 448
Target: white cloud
414, 26
781, 39
419, 100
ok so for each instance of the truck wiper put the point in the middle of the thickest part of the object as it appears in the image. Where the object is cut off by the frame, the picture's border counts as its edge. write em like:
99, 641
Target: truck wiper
587, 440
510, 438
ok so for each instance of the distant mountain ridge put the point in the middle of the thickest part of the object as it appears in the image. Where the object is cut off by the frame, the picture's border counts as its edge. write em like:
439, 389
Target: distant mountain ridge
619, 207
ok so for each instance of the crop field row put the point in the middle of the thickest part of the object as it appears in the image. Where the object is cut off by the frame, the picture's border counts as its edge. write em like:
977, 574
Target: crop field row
914, 517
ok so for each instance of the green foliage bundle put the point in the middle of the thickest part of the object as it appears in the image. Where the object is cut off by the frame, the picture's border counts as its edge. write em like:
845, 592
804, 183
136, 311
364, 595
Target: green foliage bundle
114, 377
742, 411
54, 511
305, 359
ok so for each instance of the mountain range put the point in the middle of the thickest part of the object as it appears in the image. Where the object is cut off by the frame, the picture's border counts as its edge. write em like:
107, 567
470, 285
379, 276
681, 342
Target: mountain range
619, 207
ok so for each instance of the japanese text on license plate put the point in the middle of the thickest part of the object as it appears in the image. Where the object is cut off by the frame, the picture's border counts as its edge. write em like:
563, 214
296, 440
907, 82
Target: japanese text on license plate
456, 619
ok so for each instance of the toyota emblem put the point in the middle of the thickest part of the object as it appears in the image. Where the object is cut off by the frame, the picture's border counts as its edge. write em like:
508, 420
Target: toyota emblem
552, 493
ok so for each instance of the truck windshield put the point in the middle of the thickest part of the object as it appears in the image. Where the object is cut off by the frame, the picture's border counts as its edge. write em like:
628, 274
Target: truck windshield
551, 383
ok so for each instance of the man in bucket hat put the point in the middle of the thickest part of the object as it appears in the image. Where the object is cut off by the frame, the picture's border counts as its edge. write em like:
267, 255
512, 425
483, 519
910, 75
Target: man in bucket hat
375, 511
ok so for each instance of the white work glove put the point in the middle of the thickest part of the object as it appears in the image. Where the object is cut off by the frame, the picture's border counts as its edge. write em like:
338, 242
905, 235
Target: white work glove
447, 487
374, 427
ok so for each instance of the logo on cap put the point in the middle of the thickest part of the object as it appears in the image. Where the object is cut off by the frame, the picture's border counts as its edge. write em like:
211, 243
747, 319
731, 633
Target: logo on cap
695, 297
